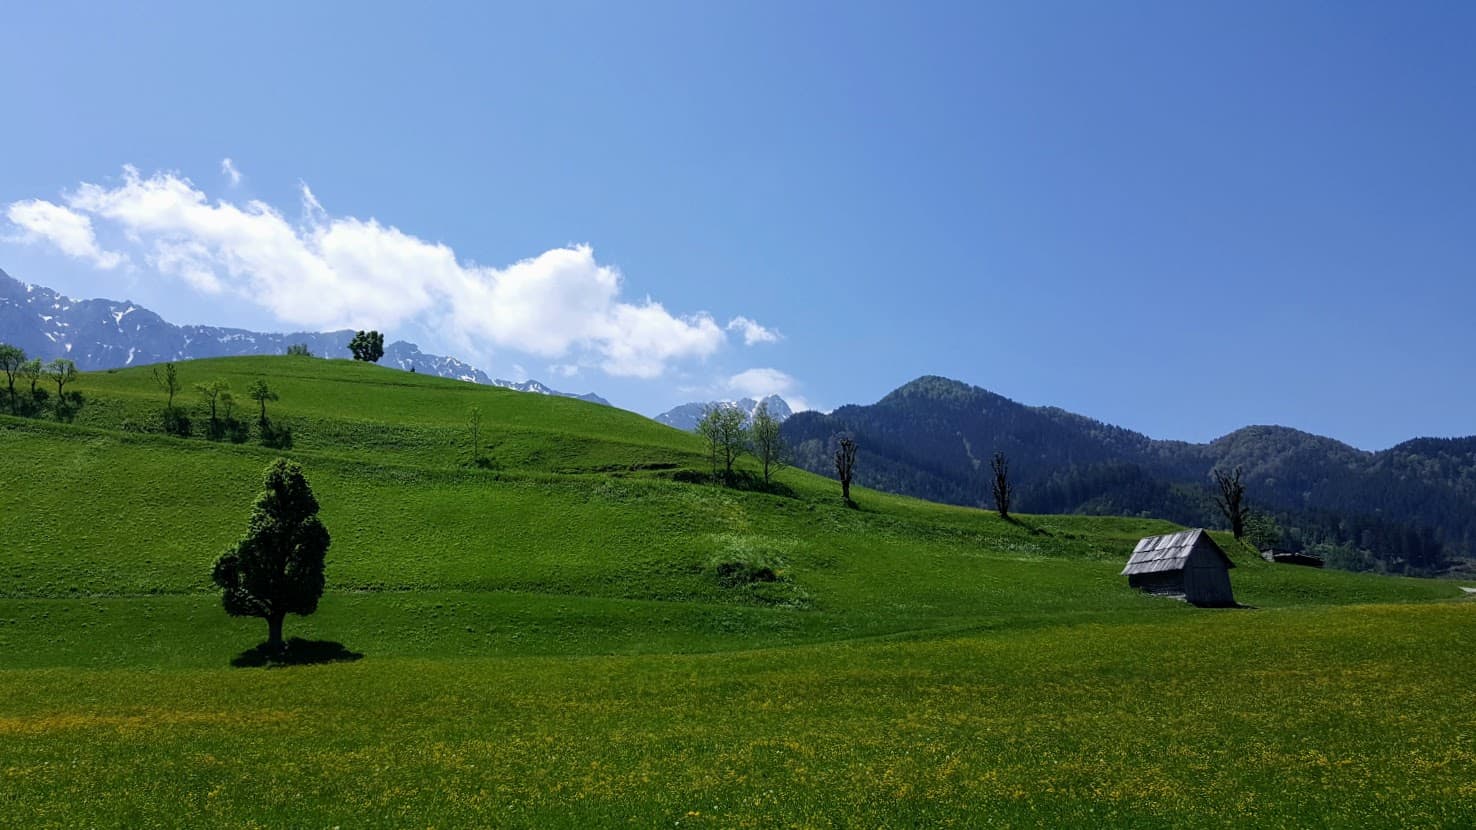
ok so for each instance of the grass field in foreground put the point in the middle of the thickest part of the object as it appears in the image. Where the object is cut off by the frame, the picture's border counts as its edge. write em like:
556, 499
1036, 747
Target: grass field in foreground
1355, 716
543, 642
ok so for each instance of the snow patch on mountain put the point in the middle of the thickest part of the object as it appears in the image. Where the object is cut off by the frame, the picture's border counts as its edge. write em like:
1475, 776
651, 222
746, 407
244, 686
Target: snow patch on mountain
688, 415
91, 332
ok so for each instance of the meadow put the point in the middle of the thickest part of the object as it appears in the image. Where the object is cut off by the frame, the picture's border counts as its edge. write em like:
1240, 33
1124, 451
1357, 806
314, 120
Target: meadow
542, 641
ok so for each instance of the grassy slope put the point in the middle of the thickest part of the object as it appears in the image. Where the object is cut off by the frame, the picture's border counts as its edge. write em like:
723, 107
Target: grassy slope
543, 641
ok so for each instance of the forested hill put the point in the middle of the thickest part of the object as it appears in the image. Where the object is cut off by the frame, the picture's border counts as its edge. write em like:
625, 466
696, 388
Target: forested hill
1403, 508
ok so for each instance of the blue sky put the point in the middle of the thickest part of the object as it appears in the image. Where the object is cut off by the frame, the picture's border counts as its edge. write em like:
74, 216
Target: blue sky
1181, 218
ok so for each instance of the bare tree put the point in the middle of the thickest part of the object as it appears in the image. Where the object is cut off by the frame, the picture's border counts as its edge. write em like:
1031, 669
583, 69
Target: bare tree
727, 437
845, 464
168, 380
1232, 500
768, 443
1003, 490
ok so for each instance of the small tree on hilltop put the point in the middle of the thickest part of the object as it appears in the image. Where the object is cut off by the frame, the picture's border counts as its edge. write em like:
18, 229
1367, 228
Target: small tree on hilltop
12, 358
299, 350
167, 377
32, 370
276, 569
261, 393
211, 393
62, 372
1231, 500
1003, 490
727, 437
367, 346
768, 442
845, 464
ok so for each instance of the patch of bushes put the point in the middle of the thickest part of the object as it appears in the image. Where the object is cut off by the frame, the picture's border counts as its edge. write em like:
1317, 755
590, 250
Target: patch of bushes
755, 572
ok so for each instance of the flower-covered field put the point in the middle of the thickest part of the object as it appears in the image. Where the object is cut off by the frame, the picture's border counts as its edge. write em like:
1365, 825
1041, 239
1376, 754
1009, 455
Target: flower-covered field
545, 642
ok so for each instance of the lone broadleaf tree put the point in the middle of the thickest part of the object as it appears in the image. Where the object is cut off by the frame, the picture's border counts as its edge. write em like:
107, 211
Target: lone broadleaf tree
32, 370
62, 372
276, 569
367, 346
12, 358
212, 392
261, 393
768, 443
167, 377
727, 437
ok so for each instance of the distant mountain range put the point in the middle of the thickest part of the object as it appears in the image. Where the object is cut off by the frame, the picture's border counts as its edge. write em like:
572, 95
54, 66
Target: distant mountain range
934, 438
686, 416
108, 334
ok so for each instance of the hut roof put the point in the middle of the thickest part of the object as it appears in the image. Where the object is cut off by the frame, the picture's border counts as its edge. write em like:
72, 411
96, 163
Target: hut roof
1170, 552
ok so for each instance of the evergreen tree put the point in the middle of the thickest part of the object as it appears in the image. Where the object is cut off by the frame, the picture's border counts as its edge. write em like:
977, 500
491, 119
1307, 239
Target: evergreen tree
276, 569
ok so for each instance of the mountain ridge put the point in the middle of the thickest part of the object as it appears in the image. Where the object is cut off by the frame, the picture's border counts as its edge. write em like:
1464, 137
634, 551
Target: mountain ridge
94, 335
686, 416
933, 437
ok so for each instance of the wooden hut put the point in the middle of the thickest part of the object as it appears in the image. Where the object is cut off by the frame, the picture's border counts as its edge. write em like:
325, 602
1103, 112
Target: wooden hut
1186, 564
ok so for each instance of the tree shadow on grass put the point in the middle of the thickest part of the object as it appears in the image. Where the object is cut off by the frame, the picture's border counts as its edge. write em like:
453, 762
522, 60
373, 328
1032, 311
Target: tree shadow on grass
737, 480
1035, 530
297, 652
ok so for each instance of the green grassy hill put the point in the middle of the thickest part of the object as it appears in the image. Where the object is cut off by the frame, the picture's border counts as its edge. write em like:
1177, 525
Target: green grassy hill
546, 640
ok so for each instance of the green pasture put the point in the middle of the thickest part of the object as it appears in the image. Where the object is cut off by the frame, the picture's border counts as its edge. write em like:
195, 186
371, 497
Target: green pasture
541, 640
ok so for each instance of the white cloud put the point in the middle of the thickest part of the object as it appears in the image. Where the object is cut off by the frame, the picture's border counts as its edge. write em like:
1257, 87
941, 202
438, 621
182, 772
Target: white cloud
344, 272
564, 370
753, 332
69, 231
228, 169
762, 382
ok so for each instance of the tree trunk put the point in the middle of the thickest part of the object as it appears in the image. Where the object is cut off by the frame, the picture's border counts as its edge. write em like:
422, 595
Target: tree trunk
846, 490
274, 629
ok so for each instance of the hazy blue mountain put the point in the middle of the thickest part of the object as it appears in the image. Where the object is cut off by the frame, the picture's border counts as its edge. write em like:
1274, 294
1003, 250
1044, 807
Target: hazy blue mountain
686, 416
109, 334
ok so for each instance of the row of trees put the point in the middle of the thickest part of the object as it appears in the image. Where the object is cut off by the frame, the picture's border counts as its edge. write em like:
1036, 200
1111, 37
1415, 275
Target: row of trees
219, 400
14, 364
730, 435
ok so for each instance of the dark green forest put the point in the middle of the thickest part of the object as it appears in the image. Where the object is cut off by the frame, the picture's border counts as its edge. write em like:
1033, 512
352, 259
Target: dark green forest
1407, 509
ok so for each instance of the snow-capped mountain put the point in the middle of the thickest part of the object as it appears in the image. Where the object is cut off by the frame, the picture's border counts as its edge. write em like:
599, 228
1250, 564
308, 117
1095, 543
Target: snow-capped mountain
687, 415
107, 334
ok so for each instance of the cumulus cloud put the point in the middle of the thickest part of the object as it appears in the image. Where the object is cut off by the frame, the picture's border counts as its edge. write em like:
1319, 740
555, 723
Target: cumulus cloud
752, 332
762, 382
228, 169
69, 231
324, 271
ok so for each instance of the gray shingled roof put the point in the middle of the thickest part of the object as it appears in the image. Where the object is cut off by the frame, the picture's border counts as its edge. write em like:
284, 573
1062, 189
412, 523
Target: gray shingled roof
1169, 552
